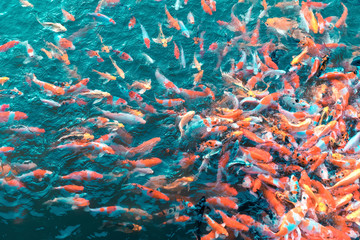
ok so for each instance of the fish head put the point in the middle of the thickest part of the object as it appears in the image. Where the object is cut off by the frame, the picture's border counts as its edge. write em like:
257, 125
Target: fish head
271, 22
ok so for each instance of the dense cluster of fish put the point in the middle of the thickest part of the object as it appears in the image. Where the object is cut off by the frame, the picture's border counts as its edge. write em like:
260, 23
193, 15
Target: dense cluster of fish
272, 156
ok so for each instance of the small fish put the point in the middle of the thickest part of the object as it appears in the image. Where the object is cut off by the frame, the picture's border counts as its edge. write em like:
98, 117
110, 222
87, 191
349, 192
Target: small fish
198, 77
25, 3
196, 64
145, 36
190, 18
149, 60
123, 55
166, 82
118, 69
92, 53
213, 46
141, 85
68, 16
50, 102
185, 119
177, 5
48, 87
170, 102
182, 57
31, 53
184, 30
55, 27
132, 23
161, 39
102, 18
176, 51
64, 43
8, 45
107, 76
281, 25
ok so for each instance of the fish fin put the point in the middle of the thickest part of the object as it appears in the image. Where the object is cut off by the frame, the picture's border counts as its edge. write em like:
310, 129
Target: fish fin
97, 101
142, 91
27, 60
39, 58
157, 40
168, 39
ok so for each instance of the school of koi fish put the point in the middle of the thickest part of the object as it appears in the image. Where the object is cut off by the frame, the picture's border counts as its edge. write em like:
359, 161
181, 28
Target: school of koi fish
261, 143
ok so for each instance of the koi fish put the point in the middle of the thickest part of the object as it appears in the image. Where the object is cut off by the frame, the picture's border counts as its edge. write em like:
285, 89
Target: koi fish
145, 36
68, 16
25, 3
31, 53
3, 80
48, 87
206, 7
118, 69
107, 76
71, 188
64, 43
125, 118
132, 23
184, 30
170, 102
182, 57
343, 17
196, 64
123, 55
92, 53
151, 192
55, 27
166, 82
161, 39
102, 18
190, 18
176, 51
172, 21
8, 45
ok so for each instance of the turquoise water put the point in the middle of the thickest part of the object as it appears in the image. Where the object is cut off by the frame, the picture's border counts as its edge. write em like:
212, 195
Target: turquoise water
23, 214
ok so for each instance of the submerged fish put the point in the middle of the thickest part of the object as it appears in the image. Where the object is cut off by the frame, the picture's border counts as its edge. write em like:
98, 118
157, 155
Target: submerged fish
55, 27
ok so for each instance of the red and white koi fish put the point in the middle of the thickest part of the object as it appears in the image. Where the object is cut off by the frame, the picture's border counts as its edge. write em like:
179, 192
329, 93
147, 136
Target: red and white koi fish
31, 53
170, 86
145, 36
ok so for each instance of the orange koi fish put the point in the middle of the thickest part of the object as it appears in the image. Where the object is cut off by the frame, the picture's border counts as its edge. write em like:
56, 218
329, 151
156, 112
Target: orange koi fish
68, 16
173, 23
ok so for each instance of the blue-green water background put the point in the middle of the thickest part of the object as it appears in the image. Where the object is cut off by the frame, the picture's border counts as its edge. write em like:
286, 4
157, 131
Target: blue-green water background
18, 23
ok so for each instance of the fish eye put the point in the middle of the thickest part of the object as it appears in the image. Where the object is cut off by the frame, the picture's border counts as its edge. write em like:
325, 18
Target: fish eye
297, 100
